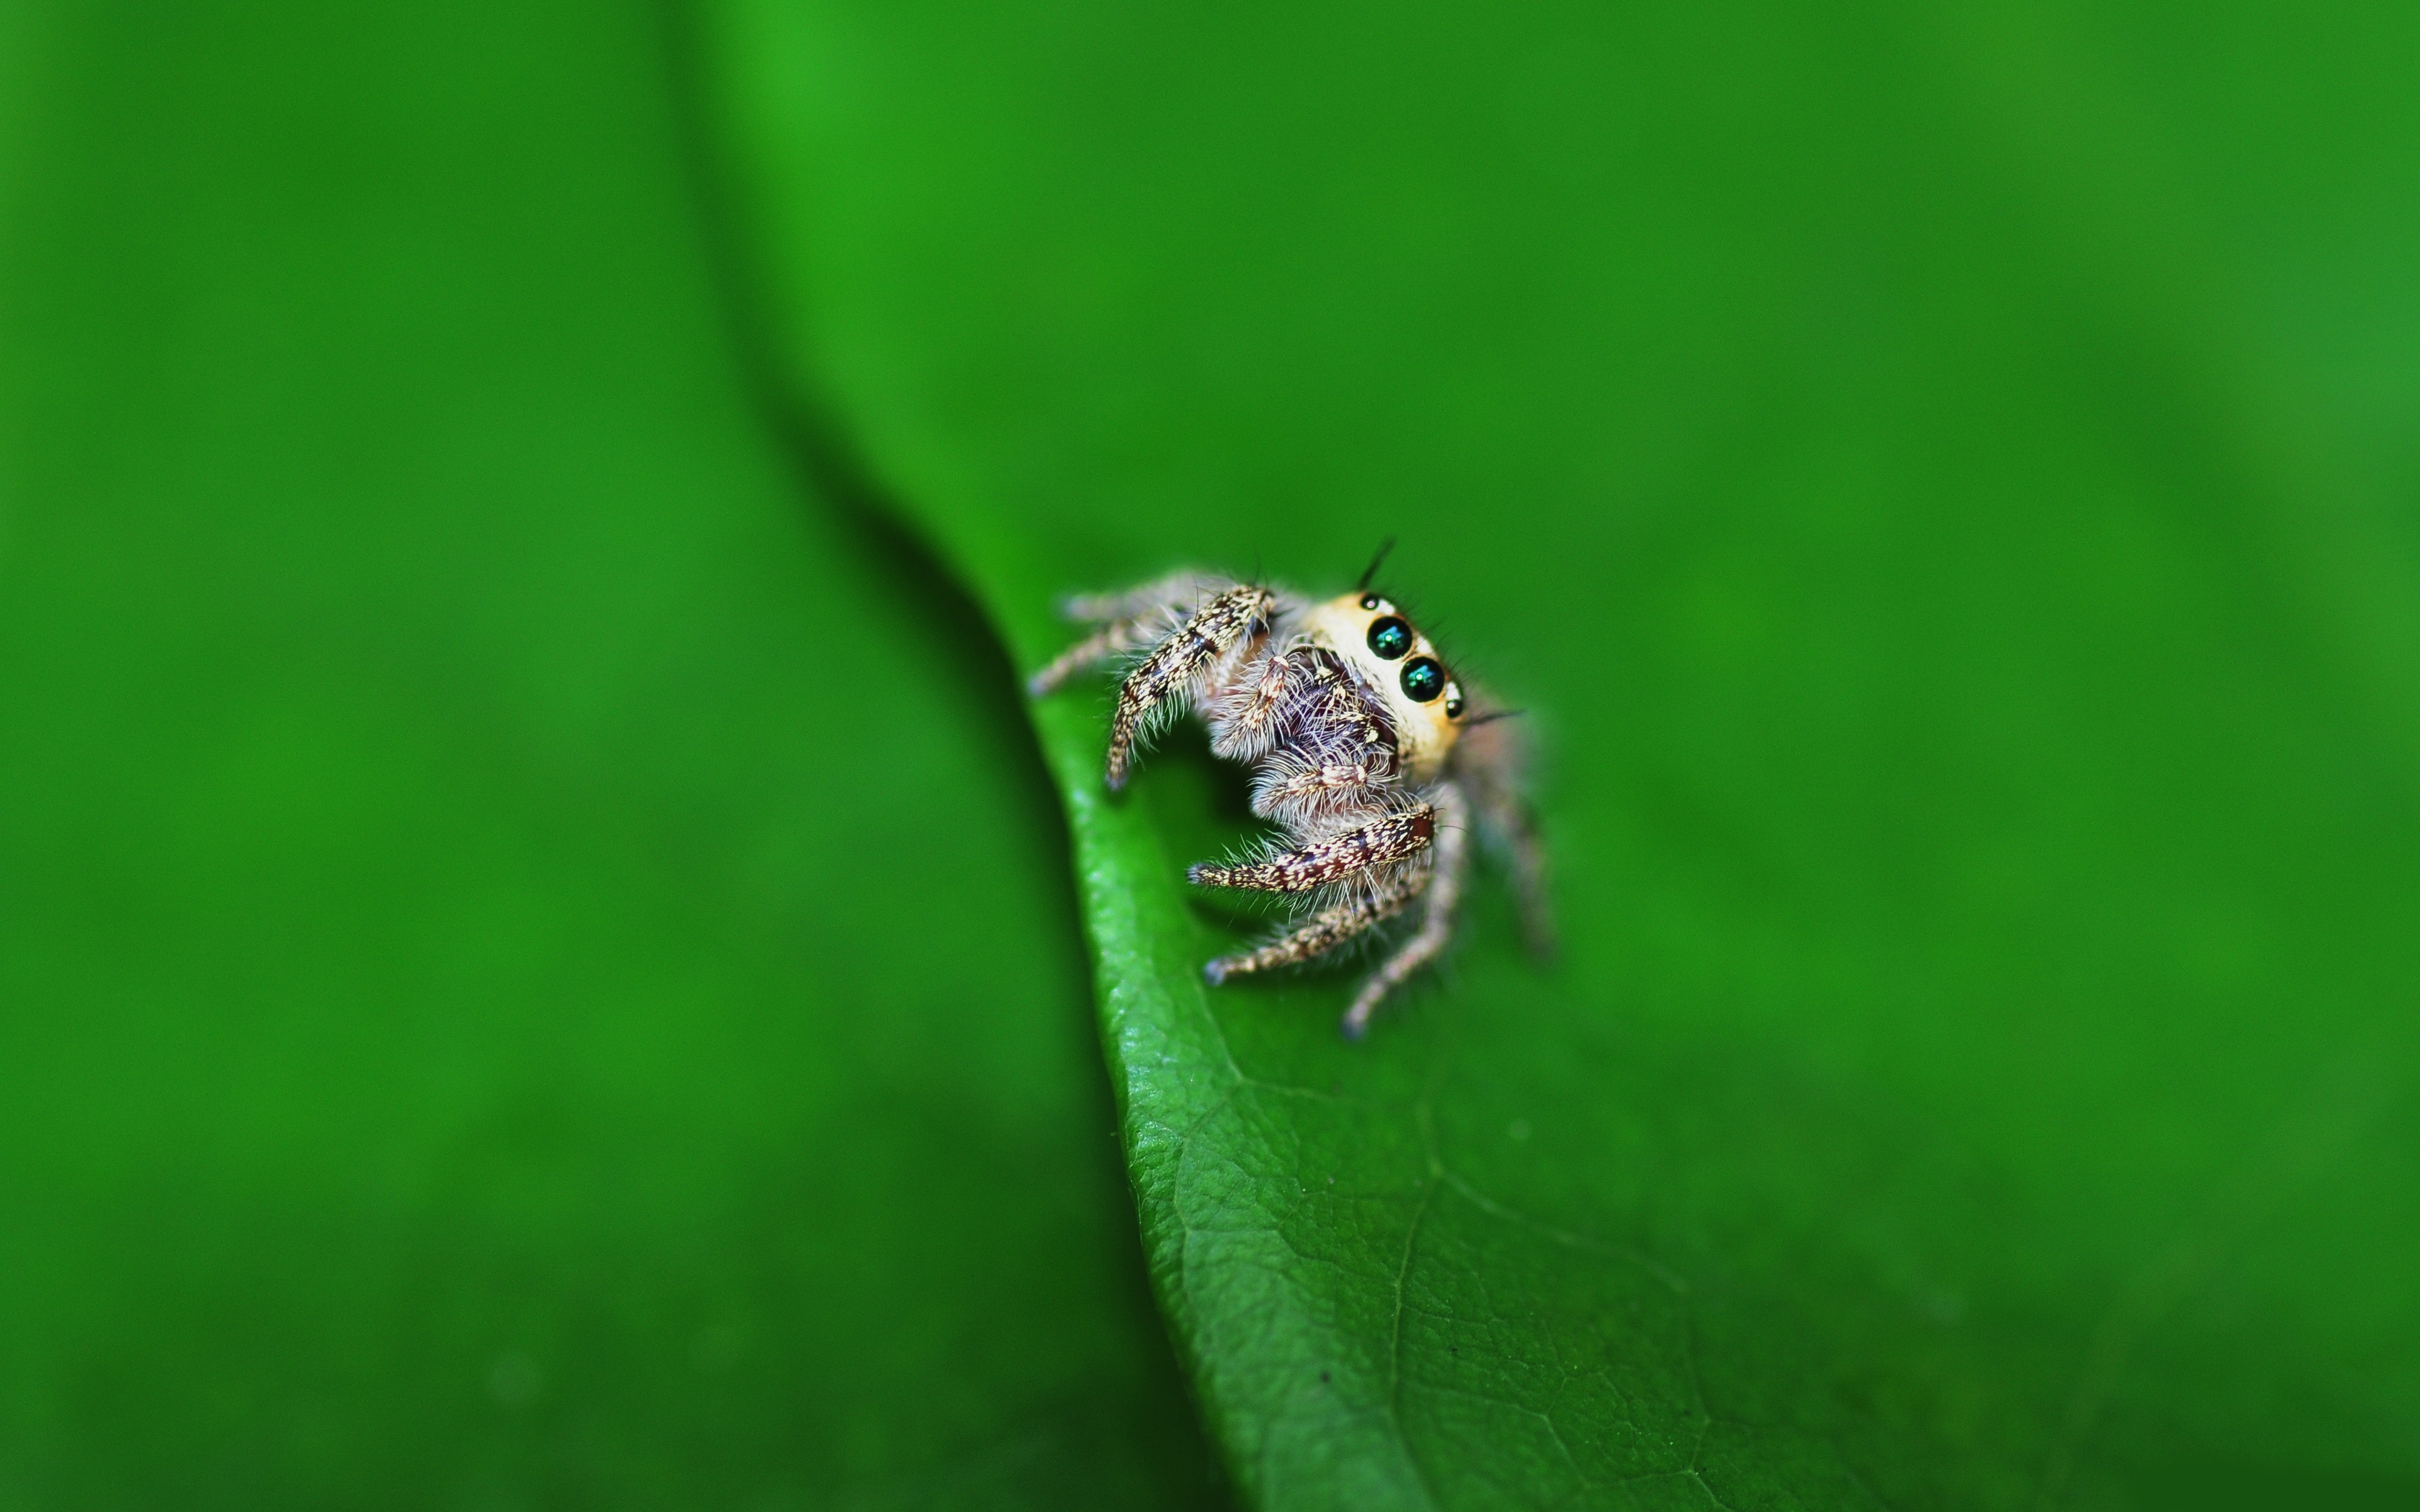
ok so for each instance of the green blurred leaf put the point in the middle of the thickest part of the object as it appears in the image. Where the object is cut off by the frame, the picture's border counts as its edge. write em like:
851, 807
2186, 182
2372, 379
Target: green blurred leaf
1945, 482
536, 966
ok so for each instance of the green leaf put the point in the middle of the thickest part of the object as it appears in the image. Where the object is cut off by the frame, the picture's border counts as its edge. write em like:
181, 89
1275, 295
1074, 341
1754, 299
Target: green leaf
536, 966
1942, 482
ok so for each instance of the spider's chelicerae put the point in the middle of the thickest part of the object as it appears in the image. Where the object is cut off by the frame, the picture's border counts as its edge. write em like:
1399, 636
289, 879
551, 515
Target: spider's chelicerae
1366, 754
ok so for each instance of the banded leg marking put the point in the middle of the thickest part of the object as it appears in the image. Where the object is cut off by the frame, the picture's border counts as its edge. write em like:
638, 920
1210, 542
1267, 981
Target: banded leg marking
1203, 638
1396, 838
1101, 645
1319, 934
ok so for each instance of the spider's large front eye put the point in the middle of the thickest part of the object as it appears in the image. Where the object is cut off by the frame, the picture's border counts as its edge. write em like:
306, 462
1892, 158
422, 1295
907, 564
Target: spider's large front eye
1390, 637
1423, 679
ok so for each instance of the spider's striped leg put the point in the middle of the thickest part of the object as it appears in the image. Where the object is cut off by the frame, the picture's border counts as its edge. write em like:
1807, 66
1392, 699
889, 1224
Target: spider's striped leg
1322, 933
1244, 707
1137, 617
1177, 592
1112, 640
1398, 837
1312, 795
1173, 670
1437, 924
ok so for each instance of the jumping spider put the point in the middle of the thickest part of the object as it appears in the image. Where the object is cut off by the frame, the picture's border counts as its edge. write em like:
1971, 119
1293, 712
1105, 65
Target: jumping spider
1363, 750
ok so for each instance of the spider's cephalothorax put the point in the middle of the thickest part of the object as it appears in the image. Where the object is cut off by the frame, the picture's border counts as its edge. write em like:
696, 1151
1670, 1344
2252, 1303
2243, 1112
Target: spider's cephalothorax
1363, 748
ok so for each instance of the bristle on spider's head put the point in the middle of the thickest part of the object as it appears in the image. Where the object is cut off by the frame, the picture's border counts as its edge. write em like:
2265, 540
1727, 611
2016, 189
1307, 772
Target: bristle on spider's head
1372, 570
1491, 717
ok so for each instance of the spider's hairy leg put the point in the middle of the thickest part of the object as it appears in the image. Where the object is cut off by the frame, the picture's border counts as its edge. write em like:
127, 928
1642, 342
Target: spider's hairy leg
1137, 617
1398, 837
1436, 923
1178, 664
1489, 760
1245, 711
1180, 590
1110, 641
1312, 796
1520, 831
1323, 932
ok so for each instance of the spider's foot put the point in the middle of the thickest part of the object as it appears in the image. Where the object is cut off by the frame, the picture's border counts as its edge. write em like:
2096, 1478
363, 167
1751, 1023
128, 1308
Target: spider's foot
1356, 1022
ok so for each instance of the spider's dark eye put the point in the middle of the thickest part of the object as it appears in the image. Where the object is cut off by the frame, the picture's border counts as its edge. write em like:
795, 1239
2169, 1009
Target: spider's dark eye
1368, 601
1390, 637
1453, 707
1423, 679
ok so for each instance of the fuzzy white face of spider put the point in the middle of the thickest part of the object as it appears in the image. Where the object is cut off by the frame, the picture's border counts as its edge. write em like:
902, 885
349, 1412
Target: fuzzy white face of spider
1395, 660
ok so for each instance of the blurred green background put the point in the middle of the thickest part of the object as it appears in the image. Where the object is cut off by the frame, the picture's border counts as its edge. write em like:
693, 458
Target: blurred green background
538, 962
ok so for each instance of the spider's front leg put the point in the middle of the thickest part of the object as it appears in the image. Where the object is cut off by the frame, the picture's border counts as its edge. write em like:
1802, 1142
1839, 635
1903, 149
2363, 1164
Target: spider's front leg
1441, 827
1177, 668
1382, 843
1137, 617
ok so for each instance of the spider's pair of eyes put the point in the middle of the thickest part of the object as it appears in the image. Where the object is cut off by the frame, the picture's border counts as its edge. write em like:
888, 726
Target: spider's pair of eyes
1423, 678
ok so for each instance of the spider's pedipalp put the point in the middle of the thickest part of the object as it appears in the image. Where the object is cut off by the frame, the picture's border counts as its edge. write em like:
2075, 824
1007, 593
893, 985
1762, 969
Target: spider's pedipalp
1310, 795
1247, 714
